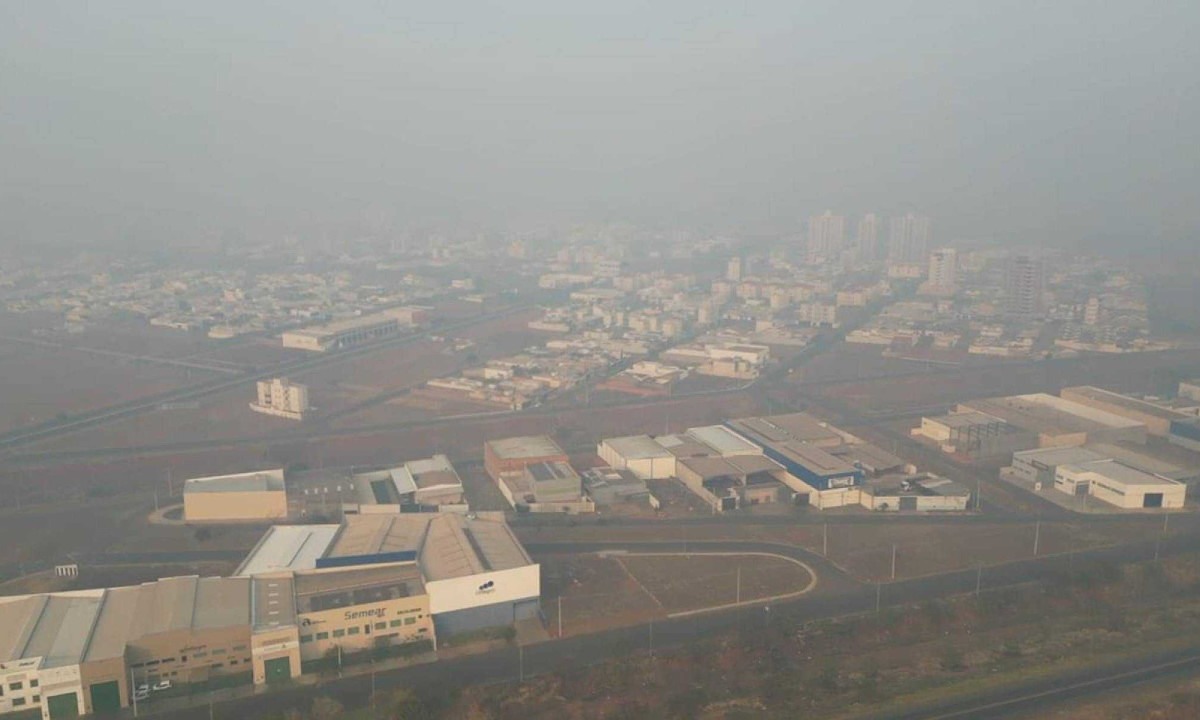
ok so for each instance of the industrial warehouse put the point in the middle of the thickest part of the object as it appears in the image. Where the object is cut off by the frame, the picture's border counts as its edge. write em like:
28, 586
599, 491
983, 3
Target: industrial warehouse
791, 458
373, 583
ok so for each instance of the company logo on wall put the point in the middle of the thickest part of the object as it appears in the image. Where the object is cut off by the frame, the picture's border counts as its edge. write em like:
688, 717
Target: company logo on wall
487, 587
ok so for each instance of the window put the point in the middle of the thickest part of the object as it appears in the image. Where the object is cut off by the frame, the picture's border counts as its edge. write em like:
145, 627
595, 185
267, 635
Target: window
381, 626
322, 636
233, 662
219, 651
217, 666
351, 631
18, 702
237, 648
183, 658
16, 686
33, 683
410, 621
395, 623
339, 633
201, 654
305, 638
36, 699
367, 628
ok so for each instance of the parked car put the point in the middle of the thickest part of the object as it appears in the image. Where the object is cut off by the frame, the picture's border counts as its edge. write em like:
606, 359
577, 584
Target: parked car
143, 688
141, 694
161, 685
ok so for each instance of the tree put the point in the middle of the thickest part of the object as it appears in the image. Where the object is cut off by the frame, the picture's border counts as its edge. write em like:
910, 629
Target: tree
325, 708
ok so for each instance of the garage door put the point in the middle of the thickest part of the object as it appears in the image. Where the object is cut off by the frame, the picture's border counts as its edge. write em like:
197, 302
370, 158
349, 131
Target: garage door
908, 502
1152, 500
63, 706
279, 670
106, 697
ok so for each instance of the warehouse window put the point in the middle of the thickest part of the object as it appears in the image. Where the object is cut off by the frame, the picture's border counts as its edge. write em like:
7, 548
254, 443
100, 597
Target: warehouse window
16, 686
322, 636
36, 699
410, 621
33, 683
395, 623
352, 631
305, 638
238, 647
339, 633
381, 626
18, 702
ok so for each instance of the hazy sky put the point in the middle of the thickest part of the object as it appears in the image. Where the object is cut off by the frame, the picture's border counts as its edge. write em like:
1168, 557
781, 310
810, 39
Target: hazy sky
1040, 121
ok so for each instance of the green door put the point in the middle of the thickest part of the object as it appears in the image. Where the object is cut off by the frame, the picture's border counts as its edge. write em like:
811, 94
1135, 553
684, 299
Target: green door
106, 697
279, 670
63, 706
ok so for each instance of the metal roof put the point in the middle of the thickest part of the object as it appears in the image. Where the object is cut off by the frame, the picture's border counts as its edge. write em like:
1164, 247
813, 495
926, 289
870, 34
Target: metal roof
724, 440
1122, 474
530, 446
288, 547
1053, 457
637, 447
257, 481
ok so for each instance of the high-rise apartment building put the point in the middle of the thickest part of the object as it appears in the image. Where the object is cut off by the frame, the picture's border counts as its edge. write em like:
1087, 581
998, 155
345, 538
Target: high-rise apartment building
1023, 284
908, 239
733, 271
943, 270
281, 398
868, 237
826, 235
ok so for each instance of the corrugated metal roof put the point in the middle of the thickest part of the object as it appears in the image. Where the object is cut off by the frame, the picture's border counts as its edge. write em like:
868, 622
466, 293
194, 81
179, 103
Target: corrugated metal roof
289, 547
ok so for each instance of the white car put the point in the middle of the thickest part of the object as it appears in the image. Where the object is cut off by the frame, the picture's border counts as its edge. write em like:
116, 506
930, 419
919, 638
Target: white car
143, 688
161, 685
141, 694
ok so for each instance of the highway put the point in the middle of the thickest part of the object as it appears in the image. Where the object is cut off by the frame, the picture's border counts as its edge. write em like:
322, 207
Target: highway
840, 598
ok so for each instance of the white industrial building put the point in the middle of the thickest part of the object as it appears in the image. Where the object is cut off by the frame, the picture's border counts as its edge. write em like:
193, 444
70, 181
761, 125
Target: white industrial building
474, 569
281, 398
1120, 485
353, 331
639, 454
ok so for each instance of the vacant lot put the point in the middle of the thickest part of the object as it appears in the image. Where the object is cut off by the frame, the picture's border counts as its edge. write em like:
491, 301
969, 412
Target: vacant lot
693, 582
596, 593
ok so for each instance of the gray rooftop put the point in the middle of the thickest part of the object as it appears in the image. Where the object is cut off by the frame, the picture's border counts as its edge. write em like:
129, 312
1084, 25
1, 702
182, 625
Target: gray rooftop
637, 447
257, 481
530, 446
288, 547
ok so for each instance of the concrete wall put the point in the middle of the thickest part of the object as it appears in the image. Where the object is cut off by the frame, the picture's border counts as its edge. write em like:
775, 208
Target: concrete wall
486, 616
235, 506
488, 588
274, 644
358, 627
186, 656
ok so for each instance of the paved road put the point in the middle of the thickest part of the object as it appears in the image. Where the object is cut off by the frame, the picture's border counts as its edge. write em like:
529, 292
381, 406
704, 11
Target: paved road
848, 598
1034, 698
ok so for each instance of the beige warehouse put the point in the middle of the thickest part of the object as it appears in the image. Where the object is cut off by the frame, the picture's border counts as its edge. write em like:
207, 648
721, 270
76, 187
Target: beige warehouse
245, 497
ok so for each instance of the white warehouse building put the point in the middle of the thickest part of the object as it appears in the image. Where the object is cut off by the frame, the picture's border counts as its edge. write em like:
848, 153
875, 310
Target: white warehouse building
640, 455
1120, 485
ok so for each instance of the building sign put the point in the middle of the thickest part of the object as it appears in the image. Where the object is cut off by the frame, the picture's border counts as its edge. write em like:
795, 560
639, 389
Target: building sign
487, 587
361, 614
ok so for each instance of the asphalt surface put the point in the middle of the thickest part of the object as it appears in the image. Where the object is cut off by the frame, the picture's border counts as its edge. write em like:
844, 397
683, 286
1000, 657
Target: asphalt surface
832, 599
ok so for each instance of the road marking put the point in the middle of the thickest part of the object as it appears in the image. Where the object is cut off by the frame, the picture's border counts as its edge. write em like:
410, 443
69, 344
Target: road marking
812, 583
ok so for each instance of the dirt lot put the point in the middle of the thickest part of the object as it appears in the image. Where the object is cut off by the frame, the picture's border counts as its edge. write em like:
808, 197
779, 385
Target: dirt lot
596, 592
691, 582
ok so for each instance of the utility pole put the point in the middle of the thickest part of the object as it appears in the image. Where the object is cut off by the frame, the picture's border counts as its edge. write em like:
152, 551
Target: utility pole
560, 616
652, 639
170, 485
825, 540
1037, 535
1166, 519
739, 585
978, 579
521, 662
893, 561
155, 499
133, 692
878, 596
